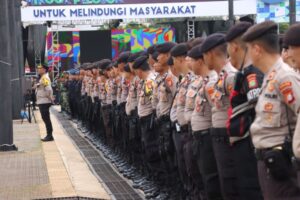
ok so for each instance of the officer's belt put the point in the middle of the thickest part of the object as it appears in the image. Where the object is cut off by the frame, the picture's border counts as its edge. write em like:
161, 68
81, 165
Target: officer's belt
261, 152
106, 107
146, 119
236, 139
220, 132
122, 105
200, 133
133, 113
164, 118
184, 128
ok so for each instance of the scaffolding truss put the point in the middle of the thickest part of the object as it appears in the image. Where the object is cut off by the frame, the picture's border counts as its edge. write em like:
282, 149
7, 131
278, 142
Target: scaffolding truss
56, 65
190, 28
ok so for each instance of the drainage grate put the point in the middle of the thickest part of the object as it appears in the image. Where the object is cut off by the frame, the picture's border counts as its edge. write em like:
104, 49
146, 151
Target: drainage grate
119, 188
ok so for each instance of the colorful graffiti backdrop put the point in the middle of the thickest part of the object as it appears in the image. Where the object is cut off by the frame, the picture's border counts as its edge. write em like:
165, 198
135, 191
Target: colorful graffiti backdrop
136, 40
67, 54
278, 12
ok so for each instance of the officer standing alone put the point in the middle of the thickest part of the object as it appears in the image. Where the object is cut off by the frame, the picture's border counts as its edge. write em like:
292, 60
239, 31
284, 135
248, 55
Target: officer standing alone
44, 94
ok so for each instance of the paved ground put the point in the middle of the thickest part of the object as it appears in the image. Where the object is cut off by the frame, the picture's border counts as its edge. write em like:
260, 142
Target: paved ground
45, 170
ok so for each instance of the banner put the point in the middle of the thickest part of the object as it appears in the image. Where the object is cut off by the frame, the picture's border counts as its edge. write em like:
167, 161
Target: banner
132, 10
99, 2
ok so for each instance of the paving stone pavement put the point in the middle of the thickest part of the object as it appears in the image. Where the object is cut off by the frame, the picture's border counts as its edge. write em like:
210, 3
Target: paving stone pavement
53, 170
23, 174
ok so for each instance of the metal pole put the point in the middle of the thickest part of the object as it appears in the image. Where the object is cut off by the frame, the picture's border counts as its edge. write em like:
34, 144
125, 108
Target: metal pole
292, 11
16, 54
6, 128
231, 12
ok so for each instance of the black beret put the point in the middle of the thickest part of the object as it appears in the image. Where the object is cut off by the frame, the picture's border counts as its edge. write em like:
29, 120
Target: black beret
292, 36
259, 30
195, 52
155, 56
151, 49
237, 30
104, 64
196, 42
94, 65
180, 50
140, 61
127, 68
170, 61
123, 57
143, 53
89, 66
212, 41
97, 64
114, 64
165, 47
133, 56
84, 66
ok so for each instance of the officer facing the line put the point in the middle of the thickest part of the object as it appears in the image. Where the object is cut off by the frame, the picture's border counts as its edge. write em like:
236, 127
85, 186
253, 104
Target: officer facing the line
44, 94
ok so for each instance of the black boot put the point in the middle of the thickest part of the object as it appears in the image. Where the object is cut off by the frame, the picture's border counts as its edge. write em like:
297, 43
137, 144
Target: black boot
48, 138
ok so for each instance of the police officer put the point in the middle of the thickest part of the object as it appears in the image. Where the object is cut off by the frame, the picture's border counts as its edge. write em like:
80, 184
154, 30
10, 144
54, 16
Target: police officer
276, 112
89, 100
86, 98
44, 94
189, 108
77, 94
215, 57
106, 101
201, 122
95, 102
71, 88
292, 40
246, 90
182, 137
103, 88
145, 113
83, 74
166, 86
123, 94
132, 112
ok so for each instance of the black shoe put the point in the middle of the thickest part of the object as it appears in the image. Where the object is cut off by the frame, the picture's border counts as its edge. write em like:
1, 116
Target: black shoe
48, 139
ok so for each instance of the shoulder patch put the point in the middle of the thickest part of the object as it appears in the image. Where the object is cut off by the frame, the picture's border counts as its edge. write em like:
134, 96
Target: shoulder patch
252, 81
210, 91
169, 81
45, 82
149, 86
285, 85
288, 95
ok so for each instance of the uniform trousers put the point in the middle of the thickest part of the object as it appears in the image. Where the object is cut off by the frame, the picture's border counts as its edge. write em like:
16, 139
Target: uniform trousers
246, 170
194, 184
179, 141
134, 139
225, 163
207, 165
166, 150
150, 145
107, 121
44, 110
273, 189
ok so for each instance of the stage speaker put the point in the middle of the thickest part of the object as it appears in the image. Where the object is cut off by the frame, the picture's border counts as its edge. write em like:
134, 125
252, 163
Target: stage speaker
95, 45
